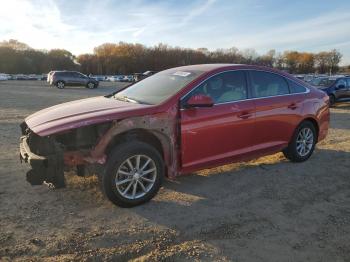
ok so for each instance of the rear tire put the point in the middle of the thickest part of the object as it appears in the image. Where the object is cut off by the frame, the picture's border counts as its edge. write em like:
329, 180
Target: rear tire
302, 144
91, 85
128, 180
60, 84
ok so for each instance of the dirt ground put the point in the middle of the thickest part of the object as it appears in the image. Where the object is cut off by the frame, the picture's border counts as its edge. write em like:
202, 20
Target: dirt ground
264, 210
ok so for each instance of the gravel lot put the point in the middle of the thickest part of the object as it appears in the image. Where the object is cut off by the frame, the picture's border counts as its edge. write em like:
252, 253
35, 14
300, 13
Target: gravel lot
264, 210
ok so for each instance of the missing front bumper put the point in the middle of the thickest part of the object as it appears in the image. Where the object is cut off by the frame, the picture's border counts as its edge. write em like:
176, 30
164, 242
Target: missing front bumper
48, 168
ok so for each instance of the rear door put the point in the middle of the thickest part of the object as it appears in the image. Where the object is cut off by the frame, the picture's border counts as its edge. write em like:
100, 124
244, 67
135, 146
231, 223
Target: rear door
213, 135
277, 110
68, 78
76, 78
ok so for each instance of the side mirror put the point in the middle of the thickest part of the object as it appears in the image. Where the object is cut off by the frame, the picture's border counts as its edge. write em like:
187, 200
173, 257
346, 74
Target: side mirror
200, 100
340, 87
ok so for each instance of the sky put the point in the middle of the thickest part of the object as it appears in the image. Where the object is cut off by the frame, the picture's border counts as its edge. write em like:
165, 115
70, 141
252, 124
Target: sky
81, 25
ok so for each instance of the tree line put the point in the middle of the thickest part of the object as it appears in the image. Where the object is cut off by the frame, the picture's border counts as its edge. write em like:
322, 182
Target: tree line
19, 58
127, 58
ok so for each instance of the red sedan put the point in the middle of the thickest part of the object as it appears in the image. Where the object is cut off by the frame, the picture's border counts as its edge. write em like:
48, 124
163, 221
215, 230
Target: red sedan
177, 121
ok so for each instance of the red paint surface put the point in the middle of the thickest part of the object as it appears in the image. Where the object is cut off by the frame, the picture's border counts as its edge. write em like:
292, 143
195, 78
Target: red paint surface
209, 136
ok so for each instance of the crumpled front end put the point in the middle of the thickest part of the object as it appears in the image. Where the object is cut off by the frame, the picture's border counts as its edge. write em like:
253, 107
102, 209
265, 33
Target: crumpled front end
45, 157
88, 146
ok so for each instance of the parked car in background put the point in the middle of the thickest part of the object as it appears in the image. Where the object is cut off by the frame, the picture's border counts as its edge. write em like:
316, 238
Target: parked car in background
321, 81
116, 78
336, 87
61, 79
301, 77
4, 77
12, 77
308, 78
175, 122
140, 76
22, 77
98, 77
34, 77
149, 73
44, 77
127, 78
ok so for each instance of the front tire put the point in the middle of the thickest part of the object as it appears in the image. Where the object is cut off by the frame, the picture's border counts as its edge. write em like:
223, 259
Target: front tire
303, 143
134, 173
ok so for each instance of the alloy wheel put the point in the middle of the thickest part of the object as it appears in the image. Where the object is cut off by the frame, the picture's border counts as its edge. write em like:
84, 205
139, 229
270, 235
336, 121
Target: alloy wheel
305, 141
60, 85
136, 176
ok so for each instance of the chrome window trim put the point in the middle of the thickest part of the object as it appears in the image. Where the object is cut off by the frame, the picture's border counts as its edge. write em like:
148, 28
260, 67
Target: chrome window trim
248, 99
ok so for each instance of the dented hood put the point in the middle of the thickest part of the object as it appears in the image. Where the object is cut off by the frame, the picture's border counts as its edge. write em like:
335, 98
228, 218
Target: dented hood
80, 113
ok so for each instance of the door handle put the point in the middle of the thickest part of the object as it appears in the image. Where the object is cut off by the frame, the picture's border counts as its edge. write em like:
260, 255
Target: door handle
245, 115
293, 106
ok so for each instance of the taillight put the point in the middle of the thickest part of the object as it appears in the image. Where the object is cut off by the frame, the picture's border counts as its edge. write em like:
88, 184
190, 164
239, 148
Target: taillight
326, 99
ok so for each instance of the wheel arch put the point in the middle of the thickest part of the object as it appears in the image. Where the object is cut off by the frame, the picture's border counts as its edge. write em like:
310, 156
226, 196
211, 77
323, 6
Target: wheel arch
314, 122
57, 81
139, 134
158, 130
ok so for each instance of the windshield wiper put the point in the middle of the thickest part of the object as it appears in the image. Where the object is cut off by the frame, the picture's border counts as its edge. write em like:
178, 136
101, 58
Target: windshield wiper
128, 99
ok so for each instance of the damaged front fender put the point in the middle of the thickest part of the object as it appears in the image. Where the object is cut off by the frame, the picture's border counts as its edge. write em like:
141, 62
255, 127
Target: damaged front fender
161, 125
49, 155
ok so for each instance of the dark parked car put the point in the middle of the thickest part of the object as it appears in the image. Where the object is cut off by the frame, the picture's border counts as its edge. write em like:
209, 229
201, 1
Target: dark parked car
336, 87
72, 78
140, 76
175, 122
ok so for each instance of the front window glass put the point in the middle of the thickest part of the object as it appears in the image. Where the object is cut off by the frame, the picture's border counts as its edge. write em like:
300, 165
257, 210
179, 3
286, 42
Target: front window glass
267, 84
225, 87
158, 87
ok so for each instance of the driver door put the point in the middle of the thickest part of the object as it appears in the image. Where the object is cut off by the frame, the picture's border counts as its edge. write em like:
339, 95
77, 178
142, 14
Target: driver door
217, 134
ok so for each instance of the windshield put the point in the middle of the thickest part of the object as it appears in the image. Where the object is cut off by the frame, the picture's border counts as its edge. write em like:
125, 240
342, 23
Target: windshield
158, 87
322, 82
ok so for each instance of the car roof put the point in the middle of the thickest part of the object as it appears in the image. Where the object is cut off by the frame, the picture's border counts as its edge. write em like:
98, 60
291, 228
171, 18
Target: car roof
215, 67
67, 71
205, 67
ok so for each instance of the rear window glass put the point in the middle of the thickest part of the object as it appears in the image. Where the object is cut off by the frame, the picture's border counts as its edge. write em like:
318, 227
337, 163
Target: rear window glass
296, 88
60, 73
268, 84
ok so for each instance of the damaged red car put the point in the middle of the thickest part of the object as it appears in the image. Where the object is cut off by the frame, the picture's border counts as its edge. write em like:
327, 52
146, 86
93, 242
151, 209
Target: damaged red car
177, 121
